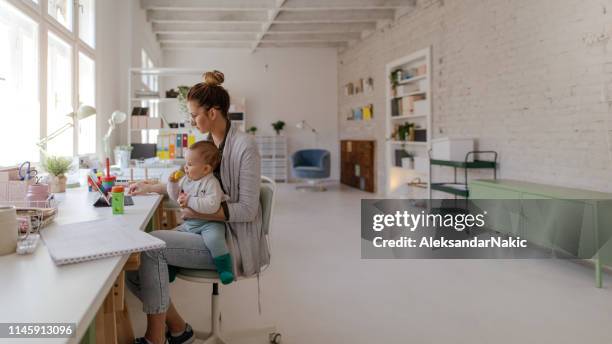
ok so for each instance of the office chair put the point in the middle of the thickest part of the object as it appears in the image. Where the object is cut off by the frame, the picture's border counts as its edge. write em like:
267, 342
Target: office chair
266, 198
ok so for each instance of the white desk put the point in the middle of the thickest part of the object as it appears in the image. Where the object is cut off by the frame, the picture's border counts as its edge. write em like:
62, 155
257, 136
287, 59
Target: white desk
33, 289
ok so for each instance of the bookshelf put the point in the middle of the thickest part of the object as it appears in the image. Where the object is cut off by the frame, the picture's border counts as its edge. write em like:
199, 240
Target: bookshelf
154, 122
408, 100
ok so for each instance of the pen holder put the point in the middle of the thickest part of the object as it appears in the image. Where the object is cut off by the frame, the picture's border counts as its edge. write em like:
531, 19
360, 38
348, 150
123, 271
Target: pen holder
108, 183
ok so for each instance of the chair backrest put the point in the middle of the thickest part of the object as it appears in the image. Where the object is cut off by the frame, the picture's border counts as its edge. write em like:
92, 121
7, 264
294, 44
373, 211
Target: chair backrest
266, 198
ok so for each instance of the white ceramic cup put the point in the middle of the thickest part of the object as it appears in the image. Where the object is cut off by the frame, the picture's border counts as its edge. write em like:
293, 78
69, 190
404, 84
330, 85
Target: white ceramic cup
8, 230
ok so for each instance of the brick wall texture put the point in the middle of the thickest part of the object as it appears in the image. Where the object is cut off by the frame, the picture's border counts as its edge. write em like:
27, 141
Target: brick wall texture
529, 79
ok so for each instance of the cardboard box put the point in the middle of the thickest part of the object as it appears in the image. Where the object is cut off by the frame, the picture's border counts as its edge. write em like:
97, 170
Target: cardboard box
421, 107
452, 149
154, 123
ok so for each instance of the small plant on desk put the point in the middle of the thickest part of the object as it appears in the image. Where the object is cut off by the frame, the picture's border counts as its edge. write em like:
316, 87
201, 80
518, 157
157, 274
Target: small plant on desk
57, 167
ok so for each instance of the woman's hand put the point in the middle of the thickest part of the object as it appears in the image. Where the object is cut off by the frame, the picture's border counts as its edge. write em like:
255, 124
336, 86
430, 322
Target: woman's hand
139, 188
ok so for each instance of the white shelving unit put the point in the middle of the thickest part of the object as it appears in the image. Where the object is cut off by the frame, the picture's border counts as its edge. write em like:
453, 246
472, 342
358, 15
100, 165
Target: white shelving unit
274, 159
134, 78
398, 178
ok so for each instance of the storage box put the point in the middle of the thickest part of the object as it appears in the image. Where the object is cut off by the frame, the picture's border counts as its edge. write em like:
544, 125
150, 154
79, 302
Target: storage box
421, 165
408, 163
423, 85
140, 122
420, 135
154, 123
400, 154
407, 88
452, 149
421, 107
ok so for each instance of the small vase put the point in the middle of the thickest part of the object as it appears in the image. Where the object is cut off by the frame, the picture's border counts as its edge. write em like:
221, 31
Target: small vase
57, 184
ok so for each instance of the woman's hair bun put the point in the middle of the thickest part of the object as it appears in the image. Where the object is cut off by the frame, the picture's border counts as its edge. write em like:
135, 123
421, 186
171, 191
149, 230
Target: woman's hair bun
214, 78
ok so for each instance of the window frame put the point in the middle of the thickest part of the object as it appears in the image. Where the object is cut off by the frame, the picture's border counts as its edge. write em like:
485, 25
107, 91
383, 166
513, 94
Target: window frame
38, 12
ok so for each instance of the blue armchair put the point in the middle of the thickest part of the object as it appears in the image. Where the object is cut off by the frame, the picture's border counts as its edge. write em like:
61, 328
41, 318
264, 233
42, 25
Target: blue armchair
312, 165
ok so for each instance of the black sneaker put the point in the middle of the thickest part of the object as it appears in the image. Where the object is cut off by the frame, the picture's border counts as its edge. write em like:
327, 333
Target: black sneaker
142, 340
187, 337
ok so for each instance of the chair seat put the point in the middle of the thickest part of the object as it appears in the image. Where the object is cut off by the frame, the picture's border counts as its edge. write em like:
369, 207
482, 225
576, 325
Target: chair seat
191, 274
308, 168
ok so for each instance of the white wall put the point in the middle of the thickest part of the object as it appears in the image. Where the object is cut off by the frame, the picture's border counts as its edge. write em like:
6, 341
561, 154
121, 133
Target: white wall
524, 77
121, 33
278, 84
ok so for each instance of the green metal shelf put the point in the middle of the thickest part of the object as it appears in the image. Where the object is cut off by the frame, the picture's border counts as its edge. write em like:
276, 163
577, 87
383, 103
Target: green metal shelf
446, 187
456, 188
463, 164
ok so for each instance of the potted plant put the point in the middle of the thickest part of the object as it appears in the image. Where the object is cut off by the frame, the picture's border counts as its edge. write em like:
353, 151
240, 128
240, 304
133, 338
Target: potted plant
252, 130
57, 167
182, 100
278, 126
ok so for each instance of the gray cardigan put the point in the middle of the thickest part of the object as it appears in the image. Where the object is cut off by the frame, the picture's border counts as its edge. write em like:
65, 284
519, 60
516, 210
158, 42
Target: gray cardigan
240, 175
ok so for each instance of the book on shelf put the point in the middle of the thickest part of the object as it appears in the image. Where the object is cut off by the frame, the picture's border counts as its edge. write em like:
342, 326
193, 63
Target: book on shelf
173, 145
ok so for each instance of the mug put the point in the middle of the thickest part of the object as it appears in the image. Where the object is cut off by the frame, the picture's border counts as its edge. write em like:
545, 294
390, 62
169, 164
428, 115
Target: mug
8, 230
37, 195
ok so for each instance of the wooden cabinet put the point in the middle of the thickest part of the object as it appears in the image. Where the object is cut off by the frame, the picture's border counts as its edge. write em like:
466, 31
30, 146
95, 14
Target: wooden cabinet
357, 164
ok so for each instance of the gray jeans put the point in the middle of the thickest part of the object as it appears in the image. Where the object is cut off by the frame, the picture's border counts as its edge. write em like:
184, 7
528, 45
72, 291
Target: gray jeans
150, 283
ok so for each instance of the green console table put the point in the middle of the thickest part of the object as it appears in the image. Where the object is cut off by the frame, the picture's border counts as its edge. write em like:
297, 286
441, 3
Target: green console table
577, 219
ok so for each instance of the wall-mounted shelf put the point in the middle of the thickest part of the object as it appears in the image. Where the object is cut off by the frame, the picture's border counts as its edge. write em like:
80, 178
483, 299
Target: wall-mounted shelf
412, 143
416, 93
413, 79
393, 118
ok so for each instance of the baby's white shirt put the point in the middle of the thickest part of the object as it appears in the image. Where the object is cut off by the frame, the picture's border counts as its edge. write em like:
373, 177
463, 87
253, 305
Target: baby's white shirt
205, 194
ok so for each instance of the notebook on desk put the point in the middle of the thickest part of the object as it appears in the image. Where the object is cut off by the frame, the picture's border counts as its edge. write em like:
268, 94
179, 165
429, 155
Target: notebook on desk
84, 241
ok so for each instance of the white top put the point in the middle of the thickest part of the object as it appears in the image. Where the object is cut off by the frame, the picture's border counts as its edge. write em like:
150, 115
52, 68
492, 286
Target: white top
205, 194
34, 289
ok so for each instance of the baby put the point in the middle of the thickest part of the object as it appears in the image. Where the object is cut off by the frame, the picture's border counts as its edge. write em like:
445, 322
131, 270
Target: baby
201, 191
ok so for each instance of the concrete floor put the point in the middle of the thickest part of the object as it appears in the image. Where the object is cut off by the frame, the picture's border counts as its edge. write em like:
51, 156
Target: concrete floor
318, 289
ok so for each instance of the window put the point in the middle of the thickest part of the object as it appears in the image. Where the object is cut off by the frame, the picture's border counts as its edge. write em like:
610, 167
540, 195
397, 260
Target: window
61, 10
59, 95
19, 96
87, 23
150, 83
63, 68
87, 96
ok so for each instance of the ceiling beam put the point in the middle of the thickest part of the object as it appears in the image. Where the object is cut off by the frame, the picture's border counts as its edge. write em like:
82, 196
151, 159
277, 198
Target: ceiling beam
242, 5
334, 16
206, 36
318, 37
198, 16
265, 44
346, 4
322, 27
198, 45
272, 14
206, 27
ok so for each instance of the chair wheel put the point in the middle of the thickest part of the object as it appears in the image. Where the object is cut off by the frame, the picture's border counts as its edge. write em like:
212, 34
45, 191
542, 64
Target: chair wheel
275, 338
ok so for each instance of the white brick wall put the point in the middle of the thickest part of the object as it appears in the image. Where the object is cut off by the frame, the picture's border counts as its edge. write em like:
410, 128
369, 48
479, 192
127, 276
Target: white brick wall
527, 78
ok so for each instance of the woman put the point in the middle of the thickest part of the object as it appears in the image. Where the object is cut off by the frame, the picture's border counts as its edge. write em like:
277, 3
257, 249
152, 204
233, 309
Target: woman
239, 175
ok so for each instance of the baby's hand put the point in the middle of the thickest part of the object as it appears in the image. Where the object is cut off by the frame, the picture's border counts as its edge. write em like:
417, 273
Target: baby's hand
176, 176
183, 199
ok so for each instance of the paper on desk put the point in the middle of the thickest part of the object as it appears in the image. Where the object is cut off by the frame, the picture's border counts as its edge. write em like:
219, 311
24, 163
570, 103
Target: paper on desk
84, 241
